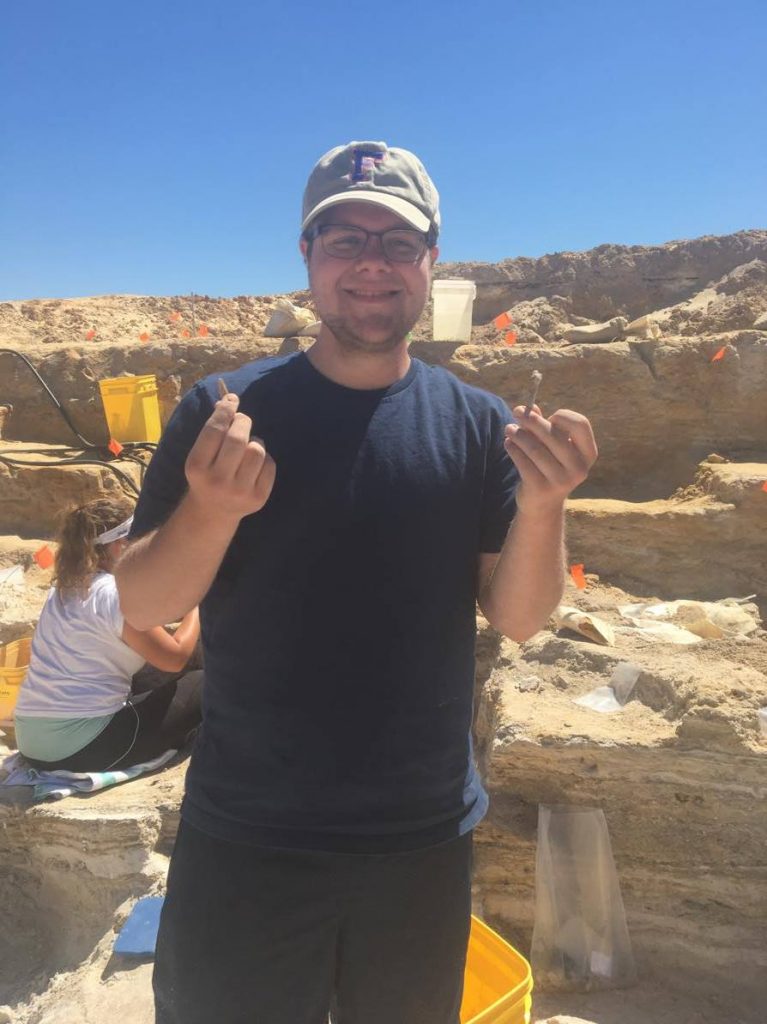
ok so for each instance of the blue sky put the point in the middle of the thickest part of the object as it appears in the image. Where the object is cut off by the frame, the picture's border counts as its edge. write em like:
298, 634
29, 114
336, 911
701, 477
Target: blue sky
162, 147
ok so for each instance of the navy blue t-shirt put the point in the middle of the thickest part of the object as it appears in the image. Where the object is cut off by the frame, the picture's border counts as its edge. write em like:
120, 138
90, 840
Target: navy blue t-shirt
339, 631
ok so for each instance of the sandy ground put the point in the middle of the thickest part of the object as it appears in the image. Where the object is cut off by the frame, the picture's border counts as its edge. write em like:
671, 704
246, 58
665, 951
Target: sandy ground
108, 988
105, 987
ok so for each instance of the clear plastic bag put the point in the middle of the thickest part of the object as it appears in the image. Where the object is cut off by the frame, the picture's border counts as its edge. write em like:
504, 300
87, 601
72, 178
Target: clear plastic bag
287, 319
580, 938
615, 695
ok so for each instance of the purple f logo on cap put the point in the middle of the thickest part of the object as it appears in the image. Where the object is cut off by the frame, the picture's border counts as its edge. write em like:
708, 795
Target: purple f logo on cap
369, 171
365, 163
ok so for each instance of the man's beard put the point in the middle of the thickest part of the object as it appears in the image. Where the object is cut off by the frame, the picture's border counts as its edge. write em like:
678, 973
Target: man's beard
351, 336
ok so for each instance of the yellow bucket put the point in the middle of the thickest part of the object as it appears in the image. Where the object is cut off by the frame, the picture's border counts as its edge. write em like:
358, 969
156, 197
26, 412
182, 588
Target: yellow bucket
498, 983
131, 407
14, 659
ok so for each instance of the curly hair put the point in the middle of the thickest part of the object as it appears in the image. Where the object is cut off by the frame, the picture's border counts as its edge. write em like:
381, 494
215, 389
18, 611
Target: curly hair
78, 557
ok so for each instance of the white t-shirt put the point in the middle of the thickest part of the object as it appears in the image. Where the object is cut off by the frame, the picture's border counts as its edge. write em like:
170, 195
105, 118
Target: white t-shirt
79, 666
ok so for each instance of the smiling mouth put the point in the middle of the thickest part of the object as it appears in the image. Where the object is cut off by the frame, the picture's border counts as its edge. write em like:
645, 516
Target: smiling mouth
370, 296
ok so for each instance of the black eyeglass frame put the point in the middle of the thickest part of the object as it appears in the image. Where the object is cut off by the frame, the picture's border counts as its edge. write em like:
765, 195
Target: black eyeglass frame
315, 231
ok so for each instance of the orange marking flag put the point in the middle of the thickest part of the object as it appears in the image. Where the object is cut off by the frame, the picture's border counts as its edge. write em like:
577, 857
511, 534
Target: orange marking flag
44, 557
502, 320
202, 330
90, 335
718, 356
114, 446
510, 337
764, 486
144, 336
186, 333
576, 571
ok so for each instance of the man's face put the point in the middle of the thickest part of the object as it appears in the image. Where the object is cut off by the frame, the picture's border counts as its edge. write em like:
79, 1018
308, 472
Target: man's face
369, 303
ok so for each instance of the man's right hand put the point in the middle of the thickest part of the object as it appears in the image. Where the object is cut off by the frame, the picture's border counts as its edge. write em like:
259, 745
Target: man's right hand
229, 474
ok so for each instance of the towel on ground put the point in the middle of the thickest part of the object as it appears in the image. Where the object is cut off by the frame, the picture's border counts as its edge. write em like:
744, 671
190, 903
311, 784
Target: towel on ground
56, 785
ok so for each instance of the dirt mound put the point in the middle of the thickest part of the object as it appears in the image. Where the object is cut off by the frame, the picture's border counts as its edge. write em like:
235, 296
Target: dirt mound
611, 280
735, 302
128, 319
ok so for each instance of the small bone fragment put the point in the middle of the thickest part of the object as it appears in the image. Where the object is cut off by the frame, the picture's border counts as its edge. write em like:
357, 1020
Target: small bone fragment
535, 382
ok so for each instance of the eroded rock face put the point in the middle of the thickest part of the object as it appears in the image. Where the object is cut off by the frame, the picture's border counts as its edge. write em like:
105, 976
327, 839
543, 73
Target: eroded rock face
737, 301
66, 871
679, 773
706, 542
123, 319
611, 280
35, 494
659, 406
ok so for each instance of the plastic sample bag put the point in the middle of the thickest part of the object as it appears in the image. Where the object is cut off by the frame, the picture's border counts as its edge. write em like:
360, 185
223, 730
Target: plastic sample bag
601, 698
616, 694
593, 628
288, 320
708, 620
580, 938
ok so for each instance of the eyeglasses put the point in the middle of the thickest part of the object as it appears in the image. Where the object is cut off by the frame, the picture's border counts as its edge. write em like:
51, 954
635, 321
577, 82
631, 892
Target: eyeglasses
347, 242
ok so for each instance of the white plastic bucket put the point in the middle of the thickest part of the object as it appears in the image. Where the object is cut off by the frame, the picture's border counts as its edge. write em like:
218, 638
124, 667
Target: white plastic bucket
453, 303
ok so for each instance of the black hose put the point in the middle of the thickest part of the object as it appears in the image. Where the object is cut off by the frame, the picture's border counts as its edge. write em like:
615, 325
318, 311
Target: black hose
56, 402
129, 448
13, 462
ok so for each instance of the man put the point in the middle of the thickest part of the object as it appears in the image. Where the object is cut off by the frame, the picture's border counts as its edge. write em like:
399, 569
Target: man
337, 515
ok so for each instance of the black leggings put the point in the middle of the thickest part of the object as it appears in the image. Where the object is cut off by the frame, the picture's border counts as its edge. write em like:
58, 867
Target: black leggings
162, 720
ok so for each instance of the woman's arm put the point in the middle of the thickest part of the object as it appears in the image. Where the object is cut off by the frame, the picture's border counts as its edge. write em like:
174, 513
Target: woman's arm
167, 652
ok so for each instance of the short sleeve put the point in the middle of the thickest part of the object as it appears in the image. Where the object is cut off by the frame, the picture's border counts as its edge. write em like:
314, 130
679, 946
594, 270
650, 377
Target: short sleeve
105, 602
165, 481
500, 485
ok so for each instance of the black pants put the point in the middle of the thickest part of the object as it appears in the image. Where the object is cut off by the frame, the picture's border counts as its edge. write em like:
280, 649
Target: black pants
256, 936
139, 732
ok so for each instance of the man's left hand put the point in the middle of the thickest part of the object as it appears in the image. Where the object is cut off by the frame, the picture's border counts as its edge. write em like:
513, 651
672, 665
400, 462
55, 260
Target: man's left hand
553, 456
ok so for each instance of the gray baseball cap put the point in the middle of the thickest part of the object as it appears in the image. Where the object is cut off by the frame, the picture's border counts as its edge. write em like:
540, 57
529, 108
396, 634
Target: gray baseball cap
371, 172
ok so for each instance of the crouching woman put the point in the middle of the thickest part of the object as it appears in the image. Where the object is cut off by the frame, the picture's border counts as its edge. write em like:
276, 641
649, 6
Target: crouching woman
75, 709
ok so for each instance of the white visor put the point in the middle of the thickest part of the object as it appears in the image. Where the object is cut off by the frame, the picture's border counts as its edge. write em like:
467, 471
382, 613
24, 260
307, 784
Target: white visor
116, 533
